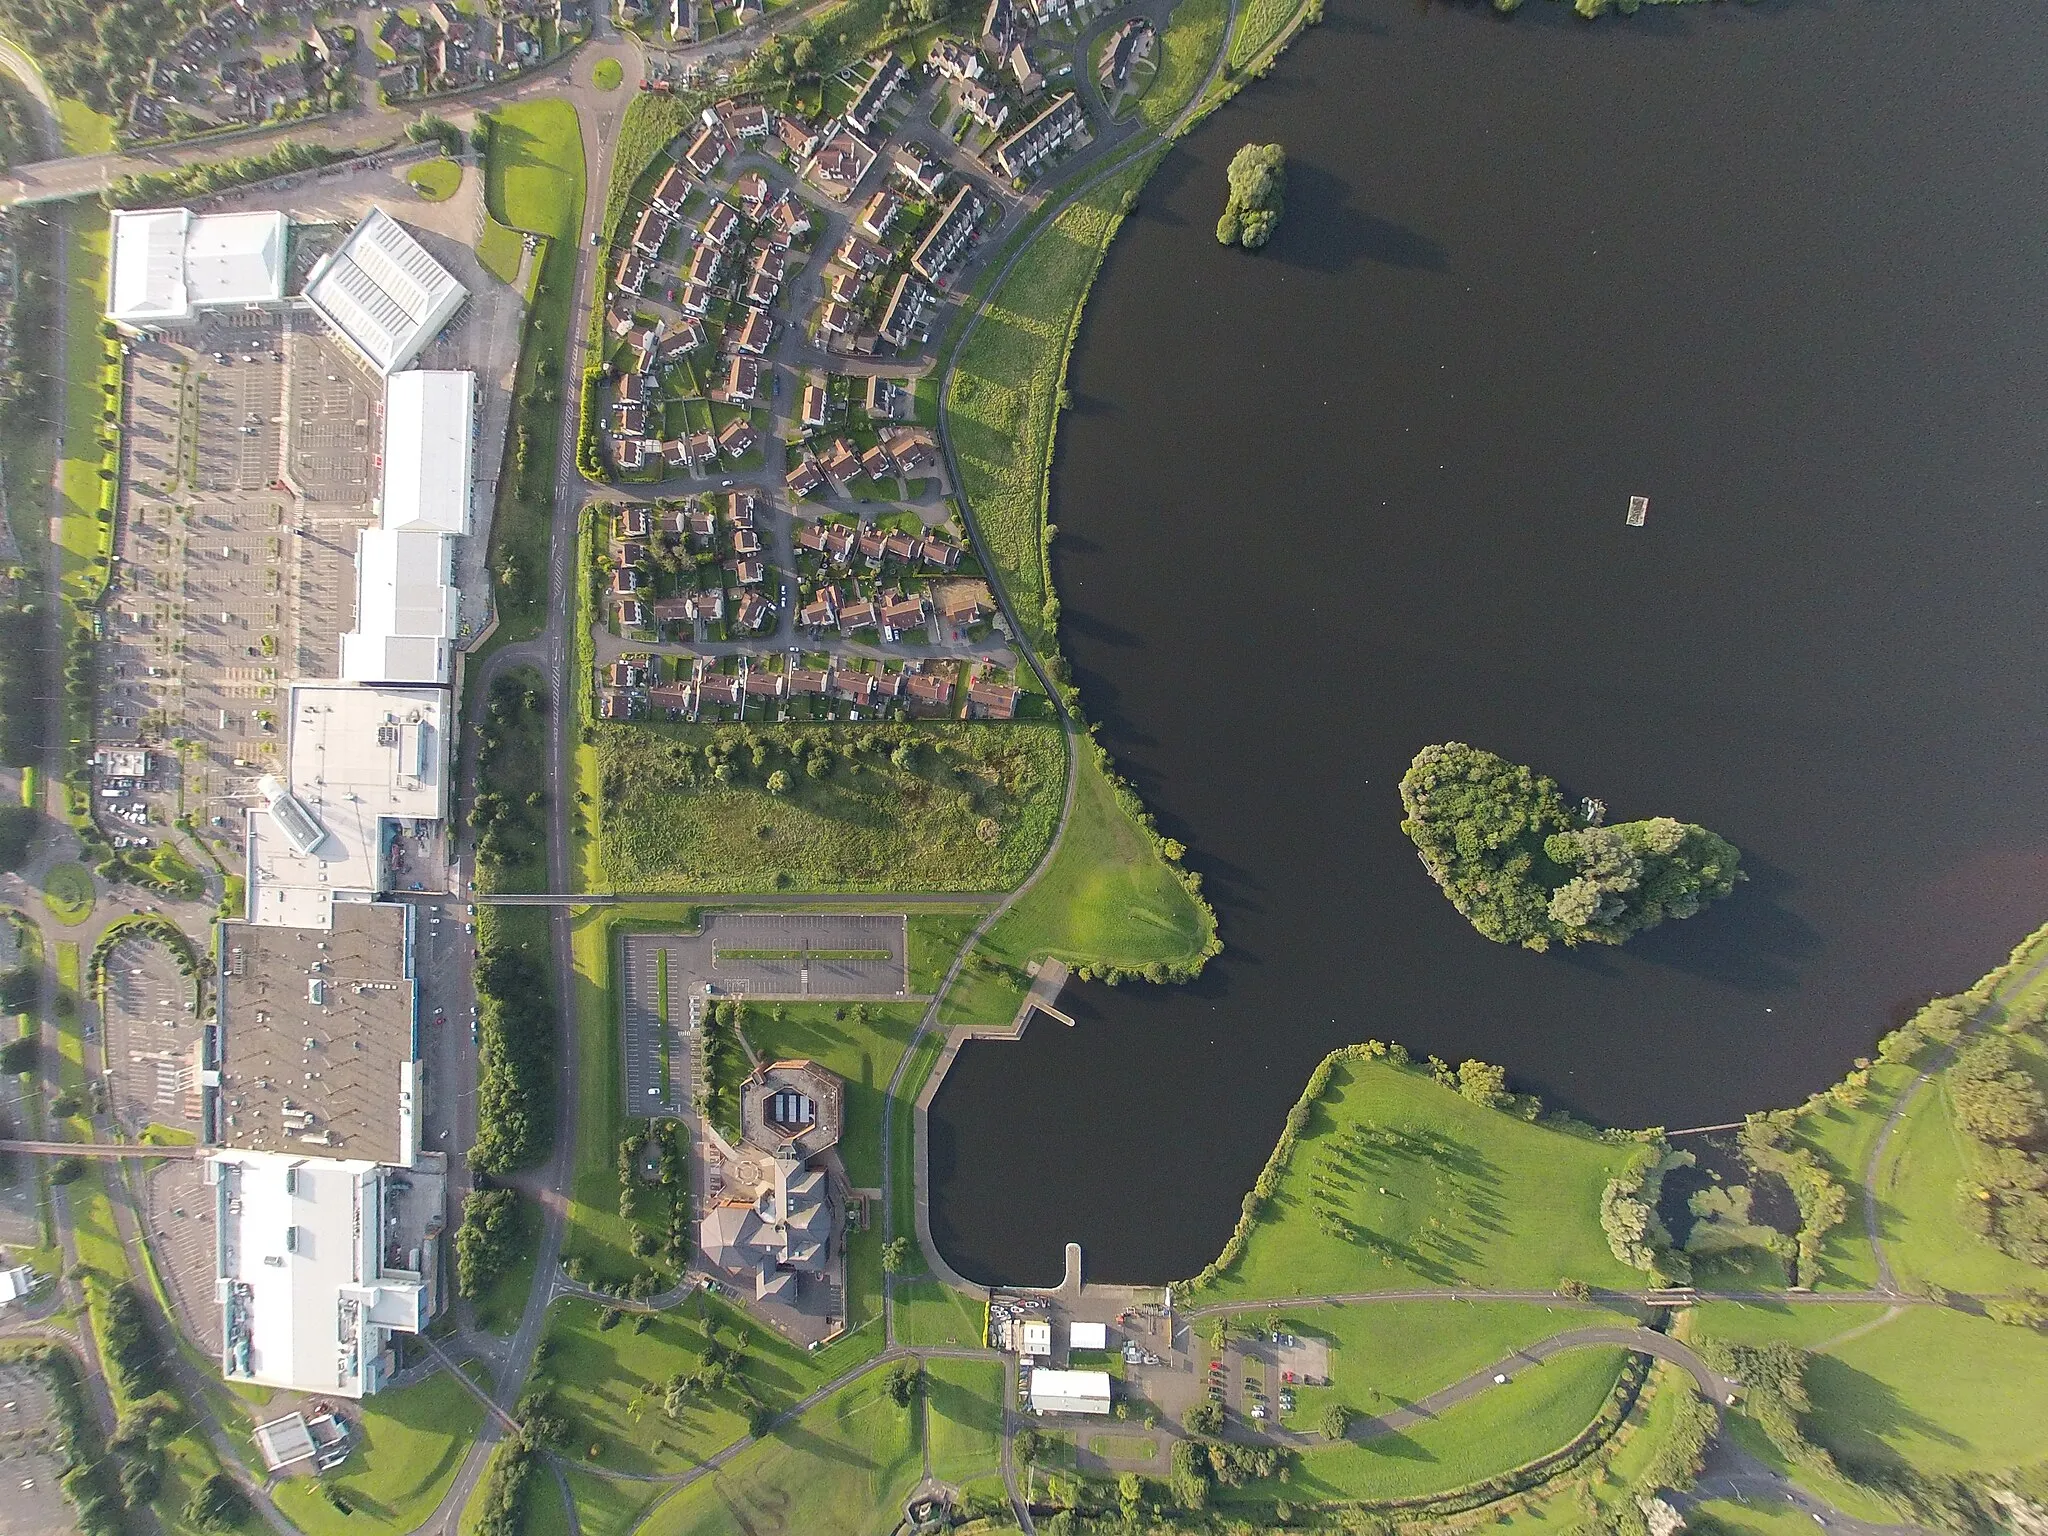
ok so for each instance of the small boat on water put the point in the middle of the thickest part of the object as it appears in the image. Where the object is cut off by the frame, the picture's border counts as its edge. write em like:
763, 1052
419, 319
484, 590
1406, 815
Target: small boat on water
1592, 811
1638, 509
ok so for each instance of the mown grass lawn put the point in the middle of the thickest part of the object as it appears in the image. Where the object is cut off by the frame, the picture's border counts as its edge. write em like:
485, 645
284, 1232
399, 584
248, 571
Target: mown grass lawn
862, 1042
1187, 49
534, 173
533, 180
1932, 1388
1004, 397
409, 1446
843, 1469
1472, 1196
87, 240
1538, 1411
610, 1382
963, 1402
973, 811
1385, 1355
435, 180
1107, 899
933, 1315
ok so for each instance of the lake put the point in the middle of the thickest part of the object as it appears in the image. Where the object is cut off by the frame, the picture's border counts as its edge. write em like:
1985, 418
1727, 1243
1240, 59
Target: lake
1780, 269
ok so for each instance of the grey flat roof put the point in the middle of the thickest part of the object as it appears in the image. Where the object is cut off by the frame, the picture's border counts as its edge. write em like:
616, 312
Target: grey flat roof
347, 1094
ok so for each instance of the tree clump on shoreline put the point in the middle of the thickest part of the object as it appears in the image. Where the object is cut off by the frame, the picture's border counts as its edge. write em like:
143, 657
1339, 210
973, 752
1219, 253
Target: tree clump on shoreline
1258, 195
1526, 870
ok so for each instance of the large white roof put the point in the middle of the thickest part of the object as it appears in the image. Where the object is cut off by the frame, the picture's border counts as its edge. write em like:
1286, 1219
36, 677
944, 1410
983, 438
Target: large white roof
305, 1304
407, 607
357, 757
429, 430
1070, 1391
382, 291
170, 263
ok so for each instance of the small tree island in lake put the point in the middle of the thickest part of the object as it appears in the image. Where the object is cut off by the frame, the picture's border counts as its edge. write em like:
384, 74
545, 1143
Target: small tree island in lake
1524, 869
1258, 192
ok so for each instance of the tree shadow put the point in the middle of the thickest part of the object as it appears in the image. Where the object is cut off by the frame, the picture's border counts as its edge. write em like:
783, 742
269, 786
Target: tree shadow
1324, 231
1752, 942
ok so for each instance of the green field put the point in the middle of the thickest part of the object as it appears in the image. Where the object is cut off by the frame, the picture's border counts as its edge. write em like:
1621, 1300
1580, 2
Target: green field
1540, 1410
410, 1444
1188, 48
533, 180
1385, 1355
1108, 899
607, 74
862, 1042
1004, 396
435, 180
972, 812
1473, 1196
964, 1418
67, 892
843, 1469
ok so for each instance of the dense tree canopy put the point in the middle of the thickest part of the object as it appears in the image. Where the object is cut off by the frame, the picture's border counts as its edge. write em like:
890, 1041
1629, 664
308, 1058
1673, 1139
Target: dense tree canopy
1524, 869
1258, 193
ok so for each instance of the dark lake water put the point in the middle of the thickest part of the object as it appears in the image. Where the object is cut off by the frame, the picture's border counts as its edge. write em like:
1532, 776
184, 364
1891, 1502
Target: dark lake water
1781, 269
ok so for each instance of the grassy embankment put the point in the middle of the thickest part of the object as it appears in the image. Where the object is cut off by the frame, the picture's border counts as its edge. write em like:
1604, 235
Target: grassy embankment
1260, 23
534, 182
1187, 50
843, 1469
410, 1444
973, 810
1473, 1196
1111, 899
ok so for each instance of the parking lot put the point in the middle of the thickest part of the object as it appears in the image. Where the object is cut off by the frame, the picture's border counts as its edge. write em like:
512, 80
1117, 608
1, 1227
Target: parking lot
227, 586
153, 1039
742, 954
177, 1210
30, 1460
